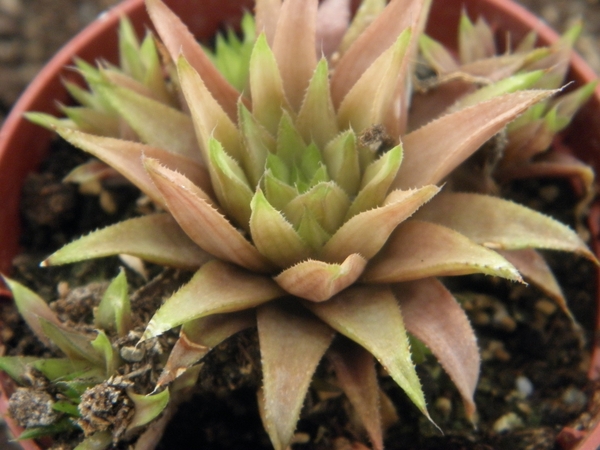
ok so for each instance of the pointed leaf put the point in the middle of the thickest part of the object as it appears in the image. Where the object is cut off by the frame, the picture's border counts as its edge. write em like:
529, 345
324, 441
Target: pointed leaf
326, 201
258, 144
428, 159
157, 124
32, 308
372, 42
419, 249
319, 281
341, 158
376, 182
179, 40
502, 224
274, 236
292, 343
230, 184
114, 310
355, 371
296, 28
196, 215
216, 288
379, 222
370, 99
433, 316
266, 86
103, 347
17, 367
126, 158
198, 337
367, 12
156, 238
267, 13
210, 120
73, 344
370, 316
333, 18
436, 55
147, 407
535, 270
316, 119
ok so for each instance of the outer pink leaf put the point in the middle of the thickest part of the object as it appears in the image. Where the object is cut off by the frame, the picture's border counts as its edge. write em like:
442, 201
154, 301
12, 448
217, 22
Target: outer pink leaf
319, 281
126, 158
419, 249
294, 47
434, 317
370, 316
200, 336
433, 151
266, 15
380, 222
32, 308
197, 216
375, 39
156, 238
218, 287
178, 39
502, 224
355, 370
209, 119
332, 21
292, 342
534, 269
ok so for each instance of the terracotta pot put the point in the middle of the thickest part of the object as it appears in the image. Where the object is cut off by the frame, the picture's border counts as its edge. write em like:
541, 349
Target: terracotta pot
23, 145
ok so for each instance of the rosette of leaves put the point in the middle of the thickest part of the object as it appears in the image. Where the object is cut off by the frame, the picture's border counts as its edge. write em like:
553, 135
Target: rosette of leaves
310, 210
478, 62
86, 388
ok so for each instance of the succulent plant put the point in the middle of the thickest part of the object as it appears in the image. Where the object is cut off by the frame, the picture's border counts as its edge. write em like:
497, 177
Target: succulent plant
296, 184
89, 388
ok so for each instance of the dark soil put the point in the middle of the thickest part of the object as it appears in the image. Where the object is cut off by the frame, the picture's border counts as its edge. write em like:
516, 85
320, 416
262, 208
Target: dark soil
533, 377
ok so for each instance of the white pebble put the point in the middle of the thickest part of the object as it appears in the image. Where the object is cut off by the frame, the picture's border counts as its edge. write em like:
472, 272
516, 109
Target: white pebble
524, 386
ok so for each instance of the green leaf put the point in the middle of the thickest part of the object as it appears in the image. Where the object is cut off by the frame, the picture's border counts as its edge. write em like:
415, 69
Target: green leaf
370, 316
157, 124
147, 407
273, 235
266, 86
32, 308
341, 158
114, 310
316, 119
38, 432
376, 181
258, 144
230, 184
66, 407
216, 288
16, 366
378, 222
112, 360
156, 238
74, 344
65, 369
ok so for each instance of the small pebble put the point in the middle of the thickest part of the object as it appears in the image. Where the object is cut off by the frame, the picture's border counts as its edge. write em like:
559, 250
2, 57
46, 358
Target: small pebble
444, 406
508, 422
132, 354
574, 397
546, 307
524, 386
